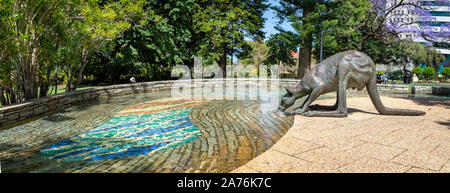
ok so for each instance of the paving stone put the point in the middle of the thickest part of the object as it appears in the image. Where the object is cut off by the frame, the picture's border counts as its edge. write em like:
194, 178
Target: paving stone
421, 159
419, 170
371, 165
420, 141
327, 158
292, 146
244, 153
446, 167
442, 150
376, 151
244, 169
338, 143
276, 162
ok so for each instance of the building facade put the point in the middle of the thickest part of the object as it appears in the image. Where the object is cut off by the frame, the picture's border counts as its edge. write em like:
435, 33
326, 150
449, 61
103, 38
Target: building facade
440, 15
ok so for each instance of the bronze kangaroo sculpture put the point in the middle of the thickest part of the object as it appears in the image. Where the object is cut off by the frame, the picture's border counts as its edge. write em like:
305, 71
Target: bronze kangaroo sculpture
349, 69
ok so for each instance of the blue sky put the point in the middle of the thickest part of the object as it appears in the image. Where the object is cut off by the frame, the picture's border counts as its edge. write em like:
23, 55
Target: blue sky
271, 20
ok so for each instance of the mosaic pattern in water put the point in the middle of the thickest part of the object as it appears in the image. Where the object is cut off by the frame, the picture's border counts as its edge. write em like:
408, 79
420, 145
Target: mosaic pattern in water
137, 130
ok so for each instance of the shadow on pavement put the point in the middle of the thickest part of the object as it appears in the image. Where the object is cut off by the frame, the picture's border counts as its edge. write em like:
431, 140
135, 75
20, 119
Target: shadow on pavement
430, 101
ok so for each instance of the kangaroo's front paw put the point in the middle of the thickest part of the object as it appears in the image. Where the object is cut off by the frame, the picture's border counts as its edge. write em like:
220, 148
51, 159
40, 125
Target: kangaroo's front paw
309, 114
300, 111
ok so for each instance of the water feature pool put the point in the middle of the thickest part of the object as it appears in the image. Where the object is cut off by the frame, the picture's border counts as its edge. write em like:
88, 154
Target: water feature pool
148, 132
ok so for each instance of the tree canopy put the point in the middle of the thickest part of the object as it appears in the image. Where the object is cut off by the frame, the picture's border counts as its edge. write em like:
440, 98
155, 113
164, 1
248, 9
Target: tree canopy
49, 42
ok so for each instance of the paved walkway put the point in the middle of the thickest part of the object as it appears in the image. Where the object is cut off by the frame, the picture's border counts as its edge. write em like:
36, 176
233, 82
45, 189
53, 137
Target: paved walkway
364, 141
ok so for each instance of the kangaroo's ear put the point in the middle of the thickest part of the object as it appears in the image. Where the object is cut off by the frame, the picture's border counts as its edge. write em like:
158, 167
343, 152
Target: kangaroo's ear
289, 92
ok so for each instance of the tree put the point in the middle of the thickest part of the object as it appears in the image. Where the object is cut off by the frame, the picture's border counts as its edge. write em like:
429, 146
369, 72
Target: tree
372, 26
433, 57
149, 49
446, 72
38, 35
405, 52
383, 25
335, 25
397, 74
258, 54
302, 11
98, 24
415, 51
428, 72
280, 48
30, 31
223, 25
417, 70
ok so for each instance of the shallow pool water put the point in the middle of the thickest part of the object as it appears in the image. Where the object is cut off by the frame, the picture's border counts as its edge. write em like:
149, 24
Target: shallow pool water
149, 132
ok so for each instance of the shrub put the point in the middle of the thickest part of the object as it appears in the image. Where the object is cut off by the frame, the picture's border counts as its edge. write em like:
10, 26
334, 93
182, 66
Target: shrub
417, 70
397, 74
428, 71
446, 72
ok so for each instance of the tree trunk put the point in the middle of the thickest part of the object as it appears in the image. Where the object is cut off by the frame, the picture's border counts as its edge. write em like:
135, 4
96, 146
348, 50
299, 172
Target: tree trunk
223, 60
45, 84
305, 47
231, 58
304, 57
56, 79
69, 78
29, 69
80, 73
2, 97
34, 66
361, 43
404, 73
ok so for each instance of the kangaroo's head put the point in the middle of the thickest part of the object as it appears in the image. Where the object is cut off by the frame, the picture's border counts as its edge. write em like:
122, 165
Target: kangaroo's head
290, 97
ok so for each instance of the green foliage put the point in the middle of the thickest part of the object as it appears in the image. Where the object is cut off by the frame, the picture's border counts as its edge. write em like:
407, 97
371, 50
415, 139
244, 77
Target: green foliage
433, 57
417, 70
446, 71
223, 24
30, 32
339, 20
174, 31
397, 74
150, 48
428, 72
40, 37
280, 47
258, 54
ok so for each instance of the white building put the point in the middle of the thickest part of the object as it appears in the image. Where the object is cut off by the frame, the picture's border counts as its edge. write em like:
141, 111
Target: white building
441, 14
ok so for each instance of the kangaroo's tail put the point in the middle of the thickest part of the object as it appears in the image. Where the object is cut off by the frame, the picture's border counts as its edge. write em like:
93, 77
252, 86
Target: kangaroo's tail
373, 93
